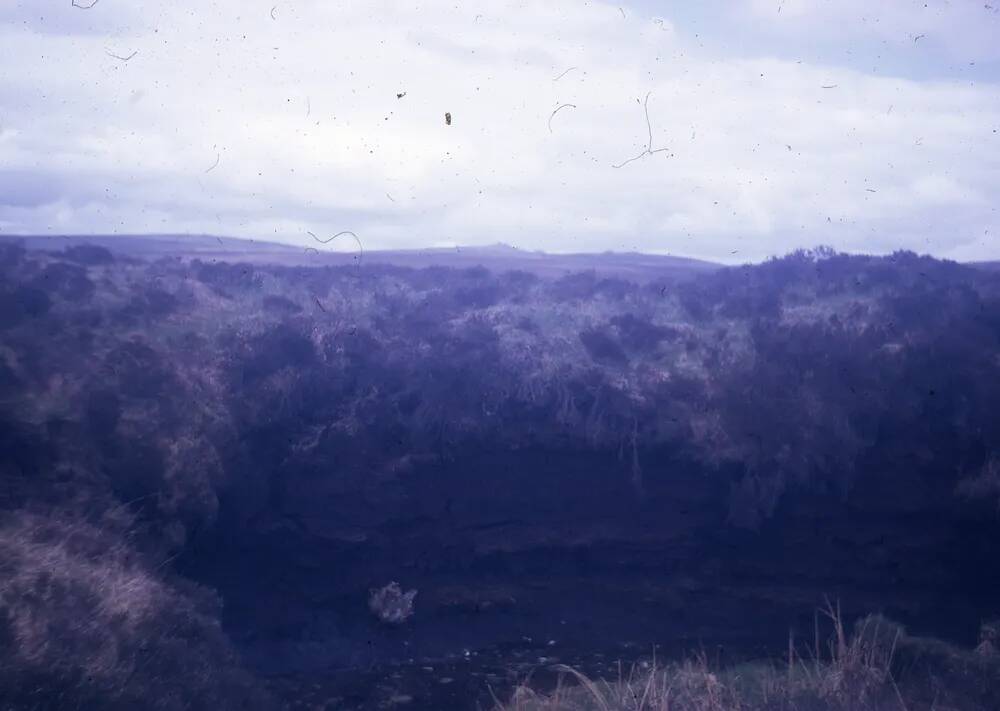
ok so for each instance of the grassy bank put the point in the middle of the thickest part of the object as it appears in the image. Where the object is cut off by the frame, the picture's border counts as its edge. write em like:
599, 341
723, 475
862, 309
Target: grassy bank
876, 666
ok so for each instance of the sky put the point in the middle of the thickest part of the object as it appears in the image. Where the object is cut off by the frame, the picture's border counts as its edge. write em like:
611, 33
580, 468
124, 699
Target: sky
772, 124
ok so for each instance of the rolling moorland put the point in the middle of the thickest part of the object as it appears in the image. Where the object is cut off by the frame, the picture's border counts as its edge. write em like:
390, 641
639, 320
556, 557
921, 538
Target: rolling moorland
213, 452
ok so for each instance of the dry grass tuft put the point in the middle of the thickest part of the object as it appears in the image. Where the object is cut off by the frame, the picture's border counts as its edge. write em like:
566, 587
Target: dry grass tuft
877, 667
87, 622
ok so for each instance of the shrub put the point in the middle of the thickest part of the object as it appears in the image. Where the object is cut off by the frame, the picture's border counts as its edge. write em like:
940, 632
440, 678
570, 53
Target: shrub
21, 303
88, 254
68, 281
602, 348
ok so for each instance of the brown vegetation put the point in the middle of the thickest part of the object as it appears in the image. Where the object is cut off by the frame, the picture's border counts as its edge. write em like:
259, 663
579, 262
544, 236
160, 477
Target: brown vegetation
147, 404
89, 622
878, 667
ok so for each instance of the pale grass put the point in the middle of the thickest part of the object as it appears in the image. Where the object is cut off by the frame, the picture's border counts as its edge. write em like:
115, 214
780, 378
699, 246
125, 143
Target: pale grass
853, 674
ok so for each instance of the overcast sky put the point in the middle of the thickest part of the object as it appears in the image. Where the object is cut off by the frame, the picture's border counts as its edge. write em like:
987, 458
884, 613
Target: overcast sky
867, 126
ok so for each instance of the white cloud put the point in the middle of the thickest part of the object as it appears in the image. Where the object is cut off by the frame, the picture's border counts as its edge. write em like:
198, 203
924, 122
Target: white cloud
229, 121
961, 30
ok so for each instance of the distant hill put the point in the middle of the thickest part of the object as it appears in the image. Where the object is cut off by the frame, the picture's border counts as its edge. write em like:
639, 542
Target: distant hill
631, 265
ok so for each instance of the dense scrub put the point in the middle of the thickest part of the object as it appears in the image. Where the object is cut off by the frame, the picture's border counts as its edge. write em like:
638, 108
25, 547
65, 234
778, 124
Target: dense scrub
177, 398
145, 380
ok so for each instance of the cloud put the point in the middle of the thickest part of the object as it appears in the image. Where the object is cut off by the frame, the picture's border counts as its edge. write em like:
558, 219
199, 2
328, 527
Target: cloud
230, 121
958, 30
